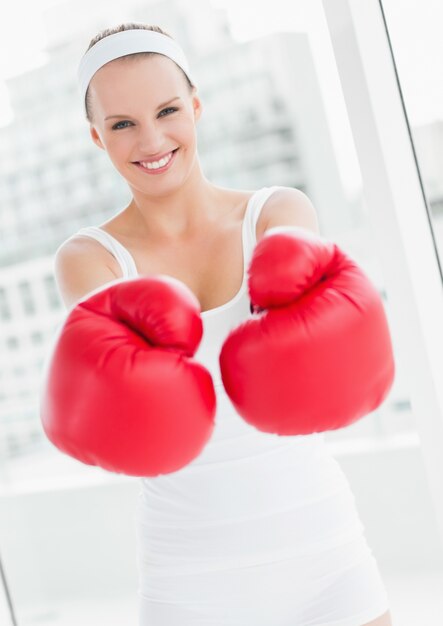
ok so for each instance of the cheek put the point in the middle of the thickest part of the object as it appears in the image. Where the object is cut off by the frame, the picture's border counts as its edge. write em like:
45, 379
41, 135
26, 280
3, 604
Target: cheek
118, 144
186, 131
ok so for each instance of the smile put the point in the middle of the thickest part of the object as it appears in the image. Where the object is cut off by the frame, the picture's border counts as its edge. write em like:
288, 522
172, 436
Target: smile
157, 167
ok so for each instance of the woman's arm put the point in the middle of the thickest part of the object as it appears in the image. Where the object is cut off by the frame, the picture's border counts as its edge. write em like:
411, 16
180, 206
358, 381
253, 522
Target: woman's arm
80, 267
289, 207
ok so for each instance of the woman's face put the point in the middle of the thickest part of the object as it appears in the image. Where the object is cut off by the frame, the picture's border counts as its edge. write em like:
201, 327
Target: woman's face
133, 123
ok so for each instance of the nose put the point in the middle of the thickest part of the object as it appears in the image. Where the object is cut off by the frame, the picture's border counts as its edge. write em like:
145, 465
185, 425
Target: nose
150, 138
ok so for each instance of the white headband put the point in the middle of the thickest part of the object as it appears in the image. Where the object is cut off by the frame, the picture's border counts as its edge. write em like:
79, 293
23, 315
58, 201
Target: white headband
128, 42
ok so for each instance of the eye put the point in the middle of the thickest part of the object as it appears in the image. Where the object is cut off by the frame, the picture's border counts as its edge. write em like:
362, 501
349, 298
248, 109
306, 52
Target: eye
116, 126
168, 109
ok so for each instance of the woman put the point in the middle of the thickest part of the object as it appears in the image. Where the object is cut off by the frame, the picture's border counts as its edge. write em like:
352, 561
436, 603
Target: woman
259, 529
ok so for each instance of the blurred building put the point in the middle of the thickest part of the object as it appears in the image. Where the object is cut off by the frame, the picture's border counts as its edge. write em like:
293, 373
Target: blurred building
29, 313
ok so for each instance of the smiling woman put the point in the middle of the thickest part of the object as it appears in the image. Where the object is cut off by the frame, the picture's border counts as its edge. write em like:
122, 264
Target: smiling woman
103, 92
246, 527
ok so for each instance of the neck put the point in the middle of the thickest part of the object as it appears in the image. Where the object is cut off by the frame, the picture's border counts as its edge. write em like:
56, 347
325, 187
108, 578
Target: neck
176, 213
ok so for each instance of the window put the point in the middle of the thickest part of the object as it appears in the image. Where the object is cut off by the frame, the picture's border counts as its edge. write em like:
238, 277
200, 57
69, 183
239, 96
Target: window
27, 298
5, 311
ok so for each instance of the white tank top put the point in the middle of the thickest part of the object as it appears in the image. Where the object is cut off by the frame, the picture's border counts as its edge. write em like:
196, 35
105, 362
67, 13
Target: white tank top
218, 321
239, 501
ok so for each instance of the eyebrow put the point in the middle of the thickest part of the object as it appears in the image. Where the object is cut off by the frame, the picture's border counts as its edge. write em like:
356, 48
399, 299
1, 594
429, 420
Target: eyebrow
159, 107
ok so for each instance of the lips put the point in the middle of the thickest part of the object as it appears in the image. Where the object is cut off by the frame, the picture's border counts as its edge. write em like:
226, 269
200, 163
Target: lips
158, 170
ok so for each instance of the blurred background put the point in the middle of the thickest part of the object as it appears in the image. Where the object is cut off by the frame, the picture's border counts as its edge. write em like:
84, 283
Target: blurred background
274, 114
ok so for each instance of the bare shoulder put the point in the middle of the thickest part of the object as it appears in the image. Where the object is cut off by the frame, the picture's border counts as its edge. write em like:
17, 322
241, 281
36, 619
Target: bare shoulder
287, 206
81, 264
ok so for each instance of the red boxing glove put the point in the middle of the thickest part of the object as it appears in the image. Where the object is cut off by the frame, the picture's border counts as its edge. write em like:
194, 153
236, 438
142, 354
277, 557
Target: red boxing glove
122, 390
318, 356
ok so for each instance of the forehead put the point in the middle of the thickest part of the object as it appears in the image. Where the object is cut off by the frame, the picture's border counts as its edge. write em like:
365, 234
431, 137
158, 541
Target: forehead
154, 75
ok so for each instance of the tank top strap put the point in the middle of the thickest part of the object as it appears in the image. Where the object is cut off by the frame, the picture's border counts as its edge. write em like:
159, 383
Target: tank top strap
126, 261
253, 210
122, 255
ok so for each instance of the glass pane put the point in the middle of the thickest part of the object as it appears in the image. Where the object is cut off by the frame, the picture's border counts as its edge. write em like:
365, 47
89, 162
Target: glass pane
273, 114
414, 30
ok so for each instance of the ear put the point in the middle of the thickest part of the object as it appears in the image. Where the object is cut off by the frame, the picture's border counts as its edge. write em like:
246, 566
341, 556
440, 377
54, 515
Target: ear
95, 136
198, 107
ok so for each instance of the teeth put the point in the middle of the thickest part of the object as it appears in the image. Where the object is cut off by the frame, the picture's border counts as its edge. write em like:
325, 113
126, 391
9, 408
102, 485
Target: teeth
154, 165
